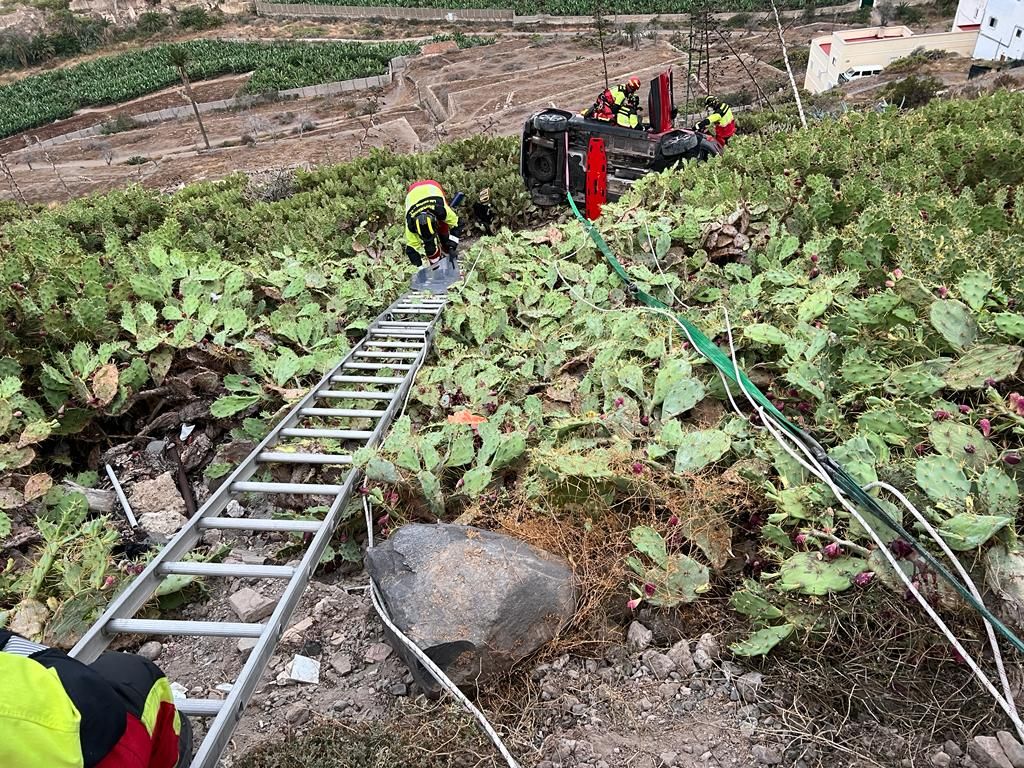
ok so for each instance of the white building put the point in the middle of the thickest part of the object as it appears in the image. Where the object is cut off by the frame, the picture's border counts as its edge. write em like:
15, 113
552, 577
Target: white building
1000, 26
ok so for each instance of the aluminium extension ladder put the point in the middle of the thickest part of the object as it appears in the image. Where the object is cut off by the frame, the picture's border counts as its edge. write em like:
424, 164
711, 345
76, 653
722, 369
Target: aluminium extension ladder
398, 341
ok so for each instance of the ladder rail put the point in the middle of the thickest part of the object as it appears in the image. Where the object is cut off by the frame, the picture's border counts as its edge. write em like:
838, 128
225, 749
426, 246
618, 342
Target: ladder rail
143, 587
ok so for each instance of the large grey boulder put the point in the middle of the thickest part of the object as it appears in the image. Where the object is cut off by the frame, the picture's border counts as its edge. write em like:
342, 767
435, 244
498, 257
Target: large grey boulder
477, 602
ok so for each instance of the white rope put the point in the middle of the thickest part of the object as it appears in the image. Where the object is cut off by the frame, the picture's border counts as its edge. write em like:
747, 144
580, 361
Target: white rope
428, 663
819, 471
968, 582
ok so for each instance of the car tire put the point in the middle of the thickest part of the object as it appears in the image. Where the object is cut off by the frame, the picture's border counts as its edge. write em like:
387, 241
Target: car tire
551, 122
541, 165
677, 144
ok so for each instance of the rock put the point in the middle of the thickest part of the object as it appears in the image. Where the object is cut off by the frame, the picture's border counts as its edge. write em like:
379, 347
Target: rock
295, 632
302, 669
398, 689
748, 685
702, 660
161, 526
639, 636
156, 447
342, 663
661, 666
29, 619
1012, 748
150, 650
250, 606
157, 495
710, 646
377, 653
940, 760
246, 557
246, 644
668, 759
297, 714
502, 598
765, 755
97, 500
224, 687
234, 509
179, 691
680, 655
952, 749
987, 752
668, 691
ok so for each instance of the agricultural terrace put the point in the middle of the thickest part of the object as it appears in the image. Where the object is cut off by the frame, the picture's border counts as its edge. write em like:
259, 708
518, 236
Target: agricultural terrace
574, 7
42, 98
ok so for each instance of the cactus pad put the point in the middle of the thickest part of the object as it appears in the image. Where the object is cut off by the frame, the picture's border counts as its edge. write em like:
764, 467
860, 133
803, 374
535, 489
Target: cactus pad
918, 379
701, 447
965, 445
974, 288
984, 362
942, 479
1010, 324
998, 492
762, 641
810, 574
955, 322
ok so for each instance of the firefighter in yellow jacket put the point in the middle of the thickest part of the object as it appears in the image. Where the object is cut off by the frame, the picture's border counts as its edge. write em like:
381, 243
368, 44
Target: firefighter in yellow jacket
56, 712
428, 221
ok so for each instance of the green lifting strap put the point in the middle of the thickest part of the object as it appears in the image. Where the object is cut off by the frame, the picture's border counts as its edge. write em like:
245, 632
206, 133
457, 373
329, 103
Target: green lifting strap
839, 475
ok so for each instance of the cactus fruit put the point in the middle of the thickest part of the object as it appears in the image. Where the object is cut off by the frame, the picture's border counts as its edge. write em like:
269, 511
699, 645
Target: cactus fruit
701, 447
942, 479
962, 444
984, 362
974, 288
762, 641
954, 322
998, 492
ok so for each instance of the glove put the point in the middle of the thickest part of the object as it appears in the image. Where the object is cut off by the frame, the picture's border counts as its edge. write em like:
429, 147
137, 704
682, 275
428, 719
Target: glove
457, 231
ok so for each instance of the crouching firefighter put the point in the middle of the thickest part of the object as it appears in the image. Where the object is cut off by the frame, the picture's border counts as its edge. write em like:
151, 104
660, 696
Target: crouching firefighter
720, 117
428, 222
56, 712
619, 104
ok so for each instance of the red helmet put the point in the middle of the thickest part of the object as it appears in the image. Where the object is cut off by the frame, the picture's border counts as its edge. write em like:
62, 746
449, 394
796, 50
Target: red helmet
634, 83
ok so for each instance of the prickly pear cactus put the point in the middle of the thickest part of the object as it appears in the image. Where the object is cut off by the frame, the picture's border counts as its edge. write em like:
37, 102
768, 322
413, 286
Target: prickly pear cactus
811, 574
919, 380
954, 322
942, 479
964, 444
862, 373
762, 641
975, 286
702, 447
998, 492
984, 362
1010, 324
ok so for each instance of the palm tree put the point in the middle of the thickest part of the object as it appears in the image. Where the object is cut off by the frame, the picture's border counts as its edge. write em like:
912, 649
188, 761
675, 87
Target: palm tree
179, 60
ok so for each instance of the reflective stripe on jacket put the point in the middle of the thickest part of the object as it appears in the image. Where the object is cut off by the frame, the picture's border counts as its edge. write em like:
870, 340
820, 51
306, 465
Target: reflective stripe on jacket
721, 114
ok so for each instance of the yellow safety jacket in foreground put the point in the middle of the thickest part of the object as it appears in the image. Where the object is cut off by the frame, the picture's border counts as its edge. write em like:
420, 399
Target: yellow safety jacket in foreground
427, 197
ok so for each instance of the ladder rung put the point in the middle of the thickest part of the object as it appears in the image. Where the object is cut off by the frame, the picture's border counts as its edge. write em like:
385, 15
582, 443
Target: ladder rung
377, 366
385, 355
184, 628
344, 394
336, 434
247, 524
273, 457
352, 413
417, 308
235, 570
401, 324
308, 489
397, 334
199, 707
394, 344
367, 379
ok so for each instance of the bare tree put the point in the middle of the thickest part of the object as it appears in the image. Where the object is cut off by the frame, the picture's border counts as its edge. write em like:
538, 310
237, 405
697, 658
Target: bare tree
9, 175
789, 69
180, 60
255, 125
602, 24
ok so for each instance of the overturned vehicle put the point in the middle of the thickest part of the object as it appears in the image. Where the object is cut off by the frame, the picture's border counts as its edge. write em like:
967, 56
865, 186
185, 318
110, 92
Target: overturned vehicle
598, 161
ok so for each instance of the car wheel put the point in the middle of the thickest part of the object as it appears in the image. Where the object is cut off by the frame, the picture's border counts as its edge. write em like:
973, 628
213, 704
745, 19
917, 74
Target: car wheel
541, 165
677, 144
551, 122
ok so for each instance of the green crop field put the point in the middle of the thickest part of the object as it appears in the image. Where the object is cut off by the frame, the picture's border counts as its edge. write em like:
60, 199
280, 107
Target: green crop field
57, 94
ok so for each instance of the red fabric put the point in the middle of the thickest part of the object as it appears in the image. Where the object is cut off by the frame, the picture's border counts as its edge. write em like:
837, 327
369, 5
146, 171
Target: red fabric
424, 183
137, 749
722, 133
133, 749
164, 752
